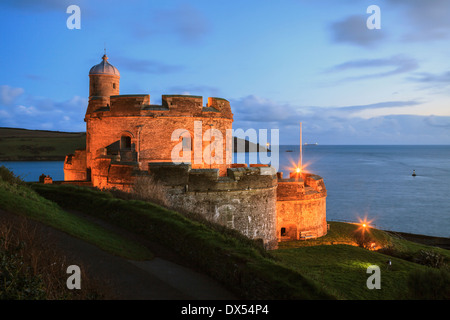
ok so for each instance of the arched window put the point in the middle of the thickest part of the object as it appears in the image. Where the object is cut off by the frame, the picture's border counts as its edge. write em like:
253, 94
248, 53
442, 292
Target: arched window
125, 143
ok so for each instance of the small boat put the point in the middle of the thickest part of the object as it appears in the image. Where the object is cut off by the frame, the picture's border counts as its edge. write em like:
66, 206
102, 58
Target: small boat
414, 173
289, 151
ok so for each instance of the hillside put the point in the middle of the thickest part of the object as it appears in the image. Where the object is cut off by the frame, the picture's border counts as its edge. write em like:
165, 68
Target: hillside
38, 145
331, 267
42, 145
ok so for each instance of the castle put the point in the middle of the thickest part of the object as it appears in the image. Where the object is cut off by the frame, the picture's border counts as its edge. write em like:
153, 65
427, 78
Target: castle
127, 137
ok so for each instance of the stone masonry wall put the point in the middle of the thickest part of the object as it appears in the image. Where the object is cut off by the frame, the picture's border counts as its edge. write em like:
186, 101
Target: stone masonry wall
301, 207
244, 200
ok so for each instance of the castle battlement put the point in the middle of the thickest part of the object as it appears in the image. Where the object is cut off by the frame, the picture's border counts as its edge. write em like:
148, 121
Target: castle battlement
206, 180
172, 105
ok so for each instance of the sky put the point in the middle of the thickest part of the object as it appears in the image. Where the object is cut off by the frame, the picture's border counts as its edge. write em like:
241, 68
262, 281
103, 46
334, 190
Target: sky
279, 63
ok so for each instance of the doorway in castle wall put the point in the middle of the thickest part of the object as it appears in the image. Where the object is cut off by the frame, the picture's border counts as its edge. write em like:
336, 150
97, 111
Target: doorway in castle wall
125, 143
288, 232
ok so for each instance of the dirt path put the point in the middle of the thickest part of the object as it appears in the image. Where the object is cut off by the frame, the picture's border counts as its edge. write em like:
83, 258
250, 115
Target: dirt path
157, 279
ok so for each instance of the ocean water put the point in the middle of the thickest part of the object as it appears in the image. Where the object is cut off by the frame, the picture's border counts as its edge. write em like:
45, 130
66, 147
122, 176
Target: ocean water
376, 183
372, 182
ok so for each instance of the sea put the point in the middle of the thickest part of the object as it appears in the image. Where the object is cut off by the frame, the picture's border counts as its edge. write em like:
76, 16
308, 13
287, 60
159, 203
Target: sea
364, 183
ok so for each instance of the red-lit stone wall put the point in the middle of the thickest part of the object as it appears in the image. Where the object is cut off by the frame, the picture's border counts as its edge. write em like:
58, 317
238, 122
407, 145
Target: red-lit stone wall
301, 207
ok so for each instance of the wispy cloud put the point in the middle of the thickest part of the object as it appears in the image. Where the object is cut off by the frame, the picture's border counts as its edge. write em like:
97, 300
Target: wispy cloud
184, 21
398, 64
426, 77
353, 30
428, 20
341, 125
30, 112
9, 94
146, 65
196, 90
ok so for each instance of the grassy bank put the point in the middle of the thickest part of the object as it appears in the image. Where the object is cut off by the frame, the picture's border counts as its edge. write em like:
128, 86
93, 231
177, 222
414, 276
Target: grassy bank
334, 266
243, 267
16, 197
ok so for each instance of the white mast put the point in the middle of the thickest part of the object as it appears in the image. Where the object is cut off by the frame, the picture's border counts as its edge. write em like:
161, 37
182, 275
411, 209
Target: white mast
301, 150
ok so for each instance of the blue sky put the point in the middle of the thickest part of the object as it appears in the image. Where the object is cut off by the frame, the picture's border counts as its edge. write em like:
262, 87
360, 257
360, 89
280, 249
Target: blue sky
278, 63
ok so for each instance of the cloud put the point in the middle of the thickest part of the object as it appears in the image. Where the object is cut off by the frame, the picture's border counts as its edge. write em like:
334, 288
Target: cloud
255, 109
44, 113
340, 125
42, 5
425, 77
428, 20
9, 94
146, 66
186, 22
353, 30
398, 64
195, 90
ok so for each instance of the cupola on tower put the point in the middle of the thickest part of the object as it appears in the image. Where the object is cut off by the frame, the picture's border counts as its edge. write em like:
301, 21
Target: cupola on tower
104, 80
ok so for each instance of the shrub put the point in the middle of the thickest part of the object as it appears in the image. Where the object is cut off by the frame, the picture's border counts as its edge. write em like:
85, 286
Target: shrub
9, 177
429, 258
147, 189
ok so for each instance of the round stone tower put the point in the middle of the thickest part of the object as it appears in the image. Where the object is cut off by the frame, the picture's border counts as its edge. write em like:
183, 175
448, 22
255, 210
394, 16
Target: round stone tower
104, 81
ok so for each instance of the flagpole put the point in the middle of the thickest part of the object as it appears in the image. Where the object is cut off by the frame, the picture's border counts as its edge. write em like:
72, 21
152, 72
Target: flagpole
301, 150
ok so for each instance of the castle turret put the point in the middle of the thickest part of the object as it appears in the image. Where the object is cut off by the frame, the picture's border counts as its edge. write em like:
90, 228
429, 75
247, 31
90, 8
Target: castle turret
104, 80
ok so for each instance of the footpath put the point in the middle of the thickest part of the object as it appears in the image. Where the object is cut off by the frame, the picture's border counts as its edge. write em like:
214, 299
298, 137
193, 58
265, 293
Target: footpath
162, 278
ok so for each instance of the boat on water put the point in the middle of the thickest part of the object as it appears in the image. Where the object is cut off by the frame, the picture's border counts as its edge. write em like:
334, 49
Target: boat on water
311, 144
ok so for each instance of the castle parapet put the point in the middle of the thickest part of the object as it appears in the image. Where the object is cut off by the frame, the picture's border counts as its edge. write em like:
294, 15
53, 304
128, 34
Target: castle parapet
124, 105
205, 180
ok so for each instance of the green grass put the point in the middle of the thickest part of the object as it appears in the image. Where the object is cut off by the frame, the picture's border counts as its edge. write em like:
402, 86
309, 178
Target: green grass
18, 198
315, 269
341, 269
19, 144
241, 265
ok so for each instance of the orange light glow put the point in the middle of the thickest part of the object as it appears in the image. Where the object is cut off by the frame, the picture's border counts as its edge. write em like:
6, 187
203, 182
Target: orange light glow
297, 168
365, 224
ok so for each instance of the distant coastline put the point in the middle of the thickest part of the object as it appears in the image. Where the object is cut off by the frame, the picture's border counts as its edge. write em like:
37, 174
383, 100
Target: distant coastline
17, 144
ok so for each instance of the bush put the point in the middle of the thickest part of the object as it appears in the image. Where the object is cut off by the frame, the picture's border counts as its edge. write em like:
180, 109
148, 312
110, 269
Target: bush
147, 189
30, 269
429, 258
364, 239
9, 177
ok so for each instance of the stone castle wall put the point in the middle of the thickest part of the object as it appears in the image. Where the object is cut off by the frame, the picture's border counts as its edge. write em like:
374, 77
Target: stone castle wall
150, 129
244, 200
75, 166
301, 207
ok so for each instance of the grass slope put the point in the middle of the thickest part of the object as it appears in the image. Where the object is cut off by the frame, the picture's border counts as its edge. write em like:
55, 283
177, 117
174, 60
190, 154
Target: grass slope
35, 145
16, 197
320, 269
238, 263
